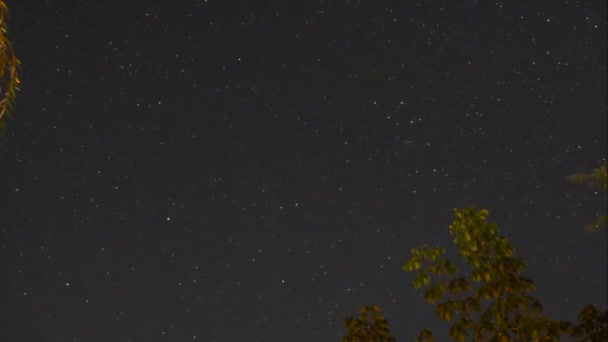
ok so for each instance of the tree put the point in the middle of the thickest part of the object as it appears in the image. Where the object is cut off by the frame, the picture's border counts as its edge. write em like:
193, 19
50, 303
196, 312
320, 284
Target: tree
490, 302
9, 78
9, 67
362, 329
493, 301
597, 180
592, 325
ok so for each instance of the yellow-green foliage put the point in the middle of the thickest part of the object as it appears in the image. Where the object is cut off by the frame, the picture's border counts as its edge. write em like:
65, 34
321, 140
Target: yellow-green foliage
597, 180
490, 301
370, 326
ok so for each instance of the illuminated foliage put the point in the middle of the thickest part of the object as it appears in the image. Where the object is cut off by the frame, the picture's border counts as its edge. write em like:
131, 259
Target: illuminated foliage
492, 302
596, 180
370, 326
9, 66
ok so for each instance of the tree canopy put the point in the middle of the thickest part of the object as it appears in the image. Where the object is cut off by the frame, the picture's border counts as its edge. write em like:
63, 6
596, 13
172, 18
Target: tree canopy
9, 68
489, 301
369, 326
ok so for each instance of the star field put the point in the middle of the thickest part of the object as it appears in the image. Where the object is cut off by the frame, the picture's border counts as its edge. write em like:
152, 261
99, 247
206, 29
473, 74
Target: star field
221, 171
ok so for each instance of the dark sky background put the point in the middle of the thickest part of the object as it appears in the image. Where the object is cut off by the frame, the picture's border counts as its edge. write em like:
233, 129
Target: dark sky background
223, 171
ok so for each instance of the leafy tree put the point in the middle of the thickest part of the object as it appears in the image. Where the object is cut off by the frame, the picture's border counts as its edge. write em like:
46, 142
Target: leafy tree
493, 301
597, 180
593, 325
490, 302
362, 329
9, 67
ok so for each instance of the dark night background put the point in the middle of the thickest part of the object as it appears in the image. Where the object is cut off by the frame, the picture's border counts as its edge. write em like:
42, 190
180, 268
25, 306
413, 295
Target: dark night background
225, 171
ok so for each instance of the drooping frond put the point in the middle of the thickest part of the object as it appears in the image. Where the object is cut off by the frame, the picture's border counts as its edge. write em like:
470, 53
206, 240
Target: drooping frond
9, 69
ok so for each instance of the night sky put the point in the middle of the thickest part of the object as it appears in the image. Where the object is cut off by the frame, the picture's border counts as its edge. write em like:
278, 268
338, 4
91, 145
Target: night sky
225, 171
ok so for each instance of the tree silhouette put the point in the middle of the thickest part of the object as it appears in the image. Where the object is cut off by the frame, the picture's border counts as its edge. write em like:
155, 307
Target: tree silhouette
362, 329
593, 325
9, 67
